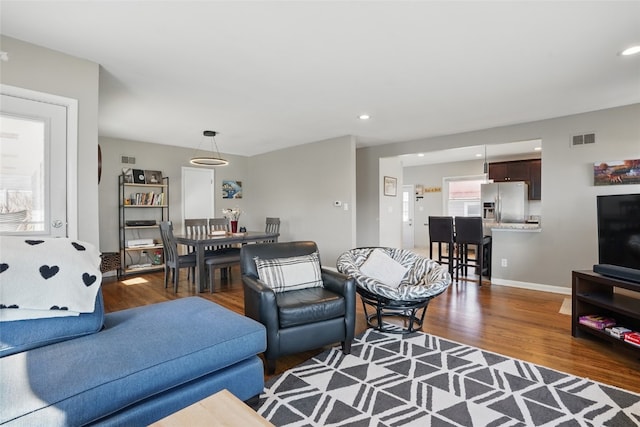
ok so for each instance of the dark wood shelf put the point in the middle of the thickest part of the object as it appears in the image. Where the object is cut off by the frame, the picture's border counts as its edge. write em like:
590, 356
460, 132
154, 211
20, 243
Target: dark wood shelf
593, 293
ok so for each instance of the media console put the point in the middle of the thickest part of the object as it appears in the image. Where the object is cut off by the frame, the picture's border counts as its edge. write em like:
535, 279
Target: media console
594, 293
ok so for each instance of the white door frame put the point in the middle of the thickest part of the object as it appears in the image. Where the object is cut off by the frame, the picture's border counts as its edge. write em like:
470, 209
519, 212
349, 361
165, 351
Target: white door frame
71, 105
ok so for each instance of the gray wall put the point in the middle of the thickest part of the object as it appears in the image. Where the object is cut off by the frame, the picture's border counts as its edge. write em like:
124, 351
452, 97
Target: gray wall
299, 185
568, 240
36, 68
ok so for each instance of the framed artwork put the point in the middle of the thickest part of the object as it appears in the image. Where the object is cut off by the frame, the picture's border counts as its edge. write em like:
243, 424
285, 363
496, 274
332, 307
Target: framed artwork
390, 186
153, 177
138, 176
616, 173
128, 175
232, 189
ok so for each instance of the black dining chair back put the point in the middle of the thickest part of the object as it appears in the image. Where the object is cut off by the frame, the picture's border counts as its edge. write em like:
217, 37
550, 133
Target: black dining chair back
441, 232
172, 259
469, 231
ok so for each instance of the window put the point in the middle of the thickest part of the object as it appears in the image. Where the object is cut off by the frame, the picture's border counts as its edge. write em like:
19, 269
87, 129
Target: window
463, 195
21, 181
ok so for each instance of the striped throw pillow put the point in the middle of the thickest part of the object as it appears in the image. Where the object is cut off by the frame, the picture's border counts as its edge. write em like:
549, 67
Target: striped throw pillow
288, 274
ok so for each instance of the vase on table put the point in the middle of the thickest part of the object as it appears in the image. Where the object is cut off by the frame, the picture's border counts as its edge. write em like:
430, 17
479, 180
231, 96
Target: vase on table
234, 226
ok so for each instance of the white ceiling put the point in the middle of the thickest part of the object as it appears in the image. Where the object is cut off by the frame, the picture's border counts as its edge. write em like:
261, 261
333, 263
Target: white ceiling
271, 74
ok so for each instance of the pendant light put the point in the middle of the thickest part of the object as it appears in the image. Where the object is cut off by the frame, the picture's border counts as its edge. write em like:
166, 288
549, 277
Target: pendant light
209, 160
486, 165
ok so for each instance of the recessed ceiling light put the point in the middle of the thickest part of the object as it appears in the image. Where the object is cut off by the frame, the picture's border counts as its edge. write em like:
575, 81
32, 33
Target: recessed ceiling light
537, 149
631, 51
420, 154
478, 155
364, 117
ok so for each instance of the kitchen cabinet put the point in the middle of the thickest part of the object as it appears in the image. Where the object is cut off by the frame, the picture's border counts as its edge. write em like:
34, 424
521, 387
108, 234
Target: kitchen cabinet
535, 179
528, 171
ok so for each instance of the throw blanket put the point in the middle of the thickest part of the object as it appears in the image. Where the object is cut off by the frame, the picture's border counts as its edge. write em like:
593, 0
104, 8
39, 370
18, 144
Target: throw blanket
47, 277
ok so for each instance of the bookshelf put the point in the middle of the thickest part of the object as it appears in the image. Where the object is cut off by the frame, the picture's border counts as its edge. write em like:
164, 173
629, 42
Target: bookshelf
141, 208
593, 293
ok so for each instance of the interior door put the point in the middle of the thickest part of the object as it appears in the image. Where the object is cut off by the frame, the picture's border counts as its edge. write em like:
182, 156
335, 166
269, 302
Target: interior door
407, 216
198, 193
33, 167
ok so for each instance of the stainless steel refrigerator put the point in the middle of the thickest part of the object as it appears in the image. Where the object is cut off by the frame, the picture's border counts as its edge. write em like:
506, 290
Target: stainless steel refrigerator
505, 201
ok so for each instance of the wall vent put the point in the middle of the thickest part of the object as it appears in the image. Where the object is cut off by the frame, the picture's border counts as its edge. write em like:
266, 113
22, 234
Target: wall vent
587, 138
127, 159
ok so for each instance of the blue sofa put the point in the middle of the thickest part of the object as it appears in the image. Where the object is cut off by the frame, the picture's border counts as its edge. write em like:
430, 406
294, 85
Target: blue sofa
131, 367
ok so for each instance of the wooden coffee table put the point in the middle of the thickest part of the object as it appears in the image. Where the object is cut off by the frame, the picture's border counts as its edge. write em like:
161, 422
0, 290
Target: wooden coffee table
221, 409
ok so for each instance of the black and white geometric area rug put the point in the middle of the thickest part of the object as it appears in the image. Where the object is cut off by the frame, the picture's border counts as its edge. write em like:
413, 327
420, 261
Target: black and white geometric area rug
423, 380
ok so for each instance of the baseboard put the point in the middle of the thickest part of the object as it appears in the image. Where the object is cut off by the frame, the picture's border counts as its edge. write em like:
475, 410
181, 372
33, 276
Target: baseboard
533, 286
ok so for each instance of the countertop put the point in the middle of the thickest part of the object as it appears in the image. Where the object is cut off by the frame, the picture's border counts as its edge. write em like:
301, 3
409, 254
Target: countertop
513, 226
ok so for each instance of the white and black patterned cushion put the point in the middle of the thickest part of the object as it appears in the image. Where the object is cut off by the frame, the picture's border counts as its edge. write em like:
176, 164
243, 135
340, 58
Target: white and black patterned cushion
288, 274
424, 279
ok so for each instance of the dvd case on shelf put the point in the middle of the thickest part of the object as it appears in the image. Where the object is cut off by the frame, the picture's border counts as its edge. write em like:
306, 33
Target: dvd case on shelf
597, 321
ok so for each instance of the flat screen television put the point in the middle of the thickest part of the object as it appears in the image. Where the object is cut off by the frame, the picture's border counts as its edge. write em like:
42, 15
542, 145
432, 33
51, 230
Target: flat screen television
619, 233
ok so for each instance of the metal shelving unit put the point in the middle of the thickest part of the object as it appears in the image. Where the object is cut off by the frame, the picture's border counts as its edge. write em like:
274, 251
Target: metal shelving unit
148, 202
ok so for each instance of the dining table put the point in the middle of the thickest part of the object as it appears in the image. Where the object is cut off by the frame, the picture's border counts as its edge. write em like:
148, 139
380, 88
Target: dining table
202, 241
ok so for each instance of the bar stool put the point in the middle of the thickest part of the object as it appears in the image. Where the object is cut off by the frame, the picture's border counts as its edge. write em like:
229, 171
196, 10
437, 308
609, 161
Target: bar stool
469, 232
441, 231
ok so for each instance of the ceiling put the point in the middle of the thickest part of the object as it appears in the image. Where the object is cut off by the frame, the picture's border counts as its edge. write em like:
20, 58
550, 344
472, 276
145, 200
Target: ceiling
272, 74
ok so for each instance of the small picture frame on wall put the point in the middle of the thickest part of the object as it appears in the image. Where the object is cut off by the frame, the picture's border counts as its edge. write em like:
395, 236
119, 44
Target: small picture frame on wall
231, 189
390, 186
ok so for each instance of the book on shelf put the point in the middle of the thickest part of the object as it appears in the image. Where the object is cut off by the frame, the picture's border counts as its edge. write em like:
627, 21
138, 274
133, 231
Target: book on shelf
150, 199
597, 321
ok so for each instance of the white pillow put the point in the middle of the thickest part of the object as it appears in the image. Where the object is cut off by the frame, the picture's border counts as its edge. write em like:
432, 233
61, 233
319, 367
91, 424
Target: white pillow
383, 268
288, 274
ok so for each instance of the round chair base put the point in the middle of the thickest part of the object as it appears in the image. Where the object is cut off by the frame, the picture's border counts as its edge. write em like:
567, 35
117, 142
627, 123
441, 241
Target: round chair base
410, 313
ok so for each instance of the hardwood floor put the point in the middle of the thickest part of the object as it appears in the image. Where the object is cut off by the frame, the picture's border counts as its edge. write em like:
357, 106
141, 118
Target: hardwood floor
514, 322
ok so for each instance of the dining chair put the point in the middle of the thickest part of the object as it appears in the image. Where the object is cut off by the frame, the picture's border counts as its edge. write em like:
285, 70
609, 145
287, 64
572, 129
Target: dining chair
223, 260
172, 260
218, 224
222, 224
272, 226
441, 231
469, 232
195, 226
